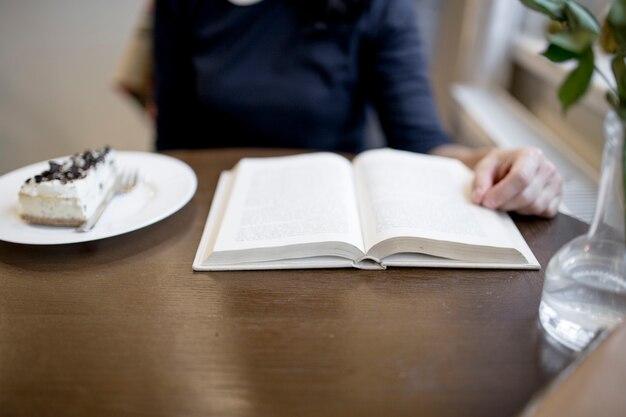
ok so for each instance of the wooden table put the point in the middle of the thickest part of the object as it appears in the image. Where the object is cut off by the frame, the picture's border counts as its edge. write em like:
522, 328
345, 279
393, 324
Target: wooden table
123, 327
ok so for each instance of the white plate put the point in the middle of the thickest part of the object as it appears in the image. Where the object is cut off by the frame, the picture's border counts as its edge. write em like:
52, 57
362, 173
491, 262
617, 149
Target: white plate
166, 185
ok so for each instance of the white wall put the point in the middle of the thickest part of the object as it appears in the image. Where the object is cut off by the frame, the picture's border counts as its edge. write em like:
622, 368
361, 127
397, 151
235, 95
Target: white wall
473, 47
57, 59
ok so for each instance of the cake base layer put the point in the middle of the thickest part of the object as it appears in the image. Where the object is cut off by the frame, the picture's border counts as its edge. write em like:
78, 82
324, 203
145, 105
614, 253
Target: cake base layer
47, 221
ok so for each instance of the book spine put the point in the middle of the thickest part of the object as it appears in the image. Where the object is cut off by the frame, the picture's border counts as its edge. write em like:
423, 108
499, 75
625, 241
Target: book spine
369, 262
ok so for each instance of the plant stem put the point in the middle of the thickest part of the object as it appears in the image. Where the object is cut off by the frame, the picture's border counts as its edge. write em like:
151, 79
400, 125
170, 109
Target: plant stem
606, 80
623, 119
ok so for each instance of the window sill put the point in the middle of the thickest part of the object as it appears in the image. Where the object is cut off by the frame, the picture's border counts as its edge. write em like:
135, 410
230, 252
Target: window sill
527, 53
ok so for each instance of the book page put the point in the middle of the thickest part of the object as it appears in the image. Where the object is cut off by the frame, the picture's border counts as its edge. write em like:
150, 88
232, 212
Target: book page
292, 200
404, 194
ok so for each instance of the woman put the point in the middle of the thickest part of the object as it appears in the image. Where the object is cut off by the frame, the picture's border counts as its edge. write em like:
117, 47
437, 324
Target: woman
301, 73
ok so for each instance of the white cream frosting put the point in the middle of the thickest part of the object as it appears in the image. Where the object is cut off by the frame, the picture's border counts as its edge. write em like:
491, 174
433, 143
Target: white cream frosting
78, 188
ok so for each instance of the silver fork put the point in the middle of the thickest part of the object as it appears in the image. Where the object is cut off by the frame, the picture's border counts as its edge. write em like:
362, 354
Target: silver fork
124, 183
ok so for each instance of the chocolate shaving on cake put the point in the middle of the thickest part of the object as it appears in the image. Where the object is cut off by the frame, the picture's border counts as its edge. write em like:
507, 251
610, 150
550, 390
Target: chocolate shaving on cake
76, 167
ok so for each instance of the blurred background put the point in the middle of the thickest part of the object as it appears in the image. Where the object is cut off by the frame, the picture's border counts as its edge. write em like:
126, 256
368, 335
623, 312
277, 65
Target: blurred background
58, 61
57, 96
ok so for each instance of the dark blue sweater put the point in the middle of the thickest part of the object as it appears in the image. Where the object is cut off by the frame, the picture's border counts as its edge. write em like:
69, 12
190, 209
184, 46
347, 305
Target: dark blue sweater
266, 75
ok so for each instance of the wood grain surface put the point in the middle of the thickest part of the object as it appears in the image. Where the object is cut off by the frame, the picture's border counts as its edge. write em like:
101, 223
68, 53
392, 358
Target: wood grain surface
123, 327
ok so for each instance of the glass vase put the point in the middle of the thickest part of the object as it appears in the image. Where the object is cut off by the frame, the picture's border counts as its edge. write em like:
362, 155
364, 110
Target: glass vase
585, 283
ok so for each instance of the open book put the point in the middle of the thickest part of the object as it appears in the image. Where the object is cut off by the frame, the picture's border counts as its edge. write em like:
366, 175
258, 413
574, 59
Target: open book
385, 208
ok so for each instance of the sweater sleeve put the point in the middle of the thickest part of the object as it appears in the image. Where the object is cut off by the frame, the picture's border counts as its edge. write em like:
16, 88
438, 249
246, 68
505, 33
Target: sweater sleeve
397, 78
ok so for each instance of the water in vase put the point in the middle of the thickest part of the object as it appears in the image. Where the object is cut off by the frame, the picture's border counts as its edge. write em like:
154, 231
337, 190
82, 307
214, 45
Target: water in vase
584, 292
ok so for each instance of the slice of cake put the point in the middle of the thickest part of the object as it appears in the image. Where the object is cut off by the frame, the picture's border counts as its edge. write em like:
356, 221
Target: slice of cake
69, 191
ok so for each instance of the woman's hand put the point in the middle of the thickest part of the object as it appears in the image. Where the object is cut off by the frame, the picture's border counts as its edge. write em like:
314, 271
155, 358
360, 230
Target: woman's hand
521, 180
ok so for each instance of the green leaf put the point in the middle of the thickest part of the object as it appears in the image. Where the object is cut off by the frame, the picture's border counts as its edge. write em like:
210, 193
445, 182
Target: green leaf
577, 82
575, 42
557, 54
619, 70
579, 18
551, 8
616, 21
